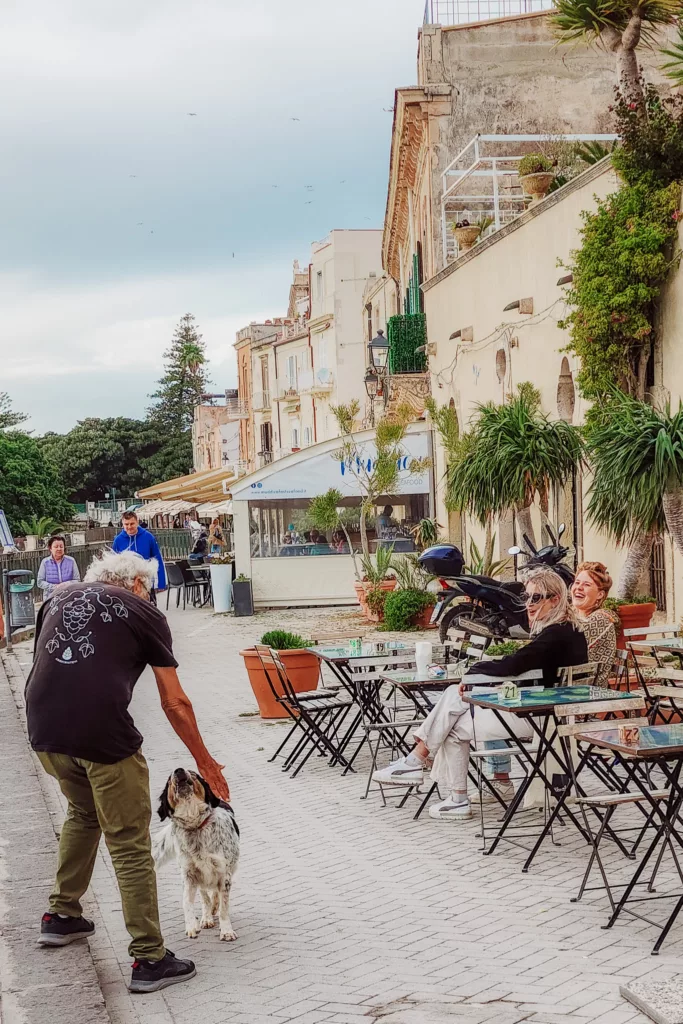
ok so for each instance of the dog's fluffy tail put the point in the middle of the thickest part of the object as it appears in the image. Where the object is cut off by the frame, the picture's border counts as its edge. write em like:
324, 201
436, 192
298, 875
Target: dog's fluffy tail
163, 847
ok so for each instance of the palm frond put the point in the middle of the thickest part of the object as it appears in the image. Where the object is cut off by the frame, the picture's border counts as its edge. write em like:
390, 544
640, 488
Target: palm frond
673, 68
636, 453
513, 452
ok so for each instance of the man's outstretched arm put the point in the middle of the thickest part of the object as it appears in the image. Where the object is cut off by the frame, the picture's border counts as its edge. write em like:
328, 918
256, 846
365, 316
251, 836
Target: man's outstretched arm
180, 713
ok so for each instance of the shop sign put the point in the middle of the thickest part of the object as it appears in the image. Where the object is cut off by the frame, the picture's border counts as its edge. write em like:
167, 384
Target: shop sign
310, 477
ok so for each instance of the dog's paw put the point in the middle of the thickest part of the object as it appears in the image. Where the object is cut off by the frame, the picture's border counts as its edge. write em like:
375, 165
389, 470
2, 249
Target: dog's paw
192, 930
228, 936
208, 922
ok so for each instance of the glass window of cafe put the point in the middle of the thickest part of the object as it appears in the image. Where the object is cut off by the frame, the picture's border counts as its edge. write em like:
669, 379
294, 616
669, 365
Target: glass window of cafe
285, 529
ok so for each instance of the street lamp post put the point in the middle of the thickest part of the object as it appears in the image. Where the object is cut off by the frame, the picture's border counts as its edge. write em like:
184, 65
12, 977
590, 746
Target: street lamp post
378, 351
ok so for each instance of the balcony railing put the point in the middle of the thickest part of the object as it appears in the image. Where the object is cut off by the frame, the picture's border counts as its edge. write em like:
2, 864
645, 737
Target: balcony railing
406, 335
237, 408
261, 401
460, 12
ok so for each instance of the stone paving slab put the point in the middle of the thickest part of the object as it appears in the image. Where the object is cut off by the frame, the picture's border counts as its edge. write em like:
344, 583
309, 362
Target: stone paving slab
348, 912
662, 1002
36, 985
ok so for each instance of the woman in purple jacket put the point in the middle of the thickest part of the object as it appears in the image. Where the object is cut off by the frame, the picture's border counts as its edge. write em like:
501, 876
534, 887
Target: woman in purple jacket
57, 568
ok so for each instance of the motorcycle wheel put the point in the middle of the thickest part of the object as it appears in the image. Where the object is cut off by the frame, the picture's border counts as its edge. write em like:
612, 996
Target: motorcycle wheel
449, 620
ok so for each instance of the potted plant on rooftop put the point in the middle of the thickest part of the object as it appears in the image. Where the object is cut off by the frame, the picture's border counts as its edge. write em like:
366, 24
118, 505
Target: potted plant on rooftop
536, 175
303, 670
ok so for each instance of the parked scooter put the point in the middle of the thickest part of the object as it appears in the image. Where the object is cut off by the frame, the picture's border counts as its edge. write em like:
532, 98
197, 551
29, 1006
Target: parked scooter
493, 608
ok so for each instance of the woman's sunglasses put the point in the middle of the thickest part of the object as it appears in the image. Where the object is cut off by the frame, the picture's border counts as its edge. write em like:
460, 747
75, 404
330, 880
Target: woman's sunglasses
535, 598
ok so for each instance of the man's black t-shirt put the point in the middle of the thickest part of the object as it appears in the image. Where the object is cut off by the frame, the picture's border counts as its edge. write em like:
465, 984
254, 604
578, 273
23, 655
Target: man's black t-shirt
92, 642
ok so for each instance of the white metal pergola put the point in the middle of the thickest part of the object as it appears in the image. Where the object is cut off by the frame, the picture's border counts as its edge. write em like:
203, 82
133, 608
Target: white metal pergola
482, 181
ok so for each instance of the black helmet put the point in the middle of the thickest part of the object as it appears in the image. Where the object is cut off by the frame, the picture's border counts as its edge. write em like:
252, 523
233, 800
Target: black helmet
442, 560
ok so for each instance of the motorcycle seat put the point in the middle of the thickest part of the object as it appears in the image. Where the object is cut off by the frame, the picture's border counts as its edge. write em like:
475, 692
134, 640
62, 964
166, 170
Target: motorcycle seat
513, 587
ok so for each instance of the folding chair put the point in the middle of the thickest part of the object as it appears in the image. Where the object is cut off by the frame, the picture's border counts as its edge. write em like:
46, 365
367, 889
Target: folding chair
381, 716
665, 696
651, 632
319, 714
605, 804
339, 634
194, 587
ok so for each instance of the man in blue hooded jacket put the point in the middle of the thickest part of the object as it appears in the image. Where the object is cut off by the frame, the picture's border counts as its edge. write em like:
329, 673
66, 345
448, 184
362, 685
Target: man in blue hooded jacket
134, 537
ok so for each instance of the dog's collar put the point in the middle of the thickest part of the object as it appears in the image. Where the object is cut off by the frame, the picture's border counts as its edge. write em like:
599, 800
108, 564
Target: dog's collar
206, 821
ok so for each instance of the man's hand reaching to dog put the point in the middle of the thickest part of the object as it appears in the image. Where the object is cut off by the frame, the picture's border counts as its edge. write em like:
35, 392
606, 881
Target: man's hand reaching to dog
178, 709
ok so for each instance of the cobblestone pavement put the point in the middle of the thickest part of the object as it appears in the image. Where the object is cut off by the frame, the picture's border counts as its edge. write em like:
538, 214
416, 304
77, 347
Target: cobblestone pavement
347, 911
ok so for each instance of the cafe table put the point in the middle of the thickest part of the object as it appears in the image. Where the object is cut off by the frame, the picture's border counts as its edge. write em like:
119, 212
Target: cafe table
348, 664
537, 705
658, 746
203, 579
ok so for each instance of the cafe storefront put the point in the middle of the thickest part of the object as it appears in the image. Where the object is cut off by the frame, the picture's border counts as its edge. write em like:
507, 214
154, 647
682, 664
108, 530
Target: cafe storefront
289, 561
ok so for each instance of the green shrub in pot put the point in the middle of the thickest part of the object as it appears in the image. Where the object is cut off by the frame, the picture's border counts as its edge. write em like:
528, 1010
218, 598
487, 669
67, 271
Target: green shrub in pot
281, 640
534, 163
403, 608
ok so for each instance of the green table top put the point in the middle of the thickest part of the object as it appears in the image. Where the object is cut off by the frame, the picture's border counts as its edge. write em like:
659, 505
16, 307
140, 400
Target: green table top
653, 740
539, 698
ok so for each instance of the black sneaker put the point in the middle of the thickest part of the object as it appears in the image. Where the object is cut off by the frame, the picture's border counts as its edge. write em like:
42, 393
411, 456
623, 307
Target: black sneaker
60, 931
151, 975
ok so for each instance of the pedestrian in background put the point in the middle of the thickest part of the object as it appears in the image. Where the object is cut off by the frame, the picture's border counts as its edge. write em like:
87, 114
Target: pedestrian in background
57, 568
93, 641
134, 537
216, 538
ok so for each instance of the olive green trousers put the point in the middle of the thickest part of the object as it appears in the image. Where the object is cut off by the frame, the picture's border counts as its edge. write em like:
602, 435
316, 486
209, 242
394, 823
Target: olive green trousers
112, 799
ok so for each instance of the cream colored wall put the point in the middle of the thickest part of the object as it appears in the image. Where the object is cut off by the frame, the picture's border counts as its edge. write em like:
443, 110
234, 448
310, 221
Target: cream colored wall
346, 263
473, 292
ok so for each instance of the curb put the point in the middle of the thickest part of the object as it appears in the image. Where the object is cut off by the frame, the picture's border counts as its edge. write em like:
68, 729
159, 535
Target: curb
59, 986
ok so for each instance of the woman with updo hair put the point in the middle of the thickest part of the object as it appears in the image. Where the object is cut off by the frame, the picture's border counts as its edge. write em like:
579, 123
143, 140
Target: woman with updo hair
589, 590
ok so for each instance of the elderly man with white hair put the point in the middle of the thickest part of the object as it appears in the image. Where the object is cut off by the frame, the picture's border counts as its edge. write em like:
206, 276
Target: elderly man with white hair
93, 640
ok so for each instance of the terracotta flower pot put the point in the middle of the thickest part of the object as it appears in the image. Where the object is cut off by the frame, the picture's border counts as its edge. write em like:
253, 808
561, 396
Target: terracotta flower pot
362, 593
466, 237
423, 620
632, 616
537, 185
303, 669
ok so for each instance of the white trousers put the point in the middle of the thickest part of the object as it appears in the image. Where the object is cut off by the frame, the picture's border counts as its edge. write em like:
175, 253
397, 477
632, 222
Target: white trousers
448, 730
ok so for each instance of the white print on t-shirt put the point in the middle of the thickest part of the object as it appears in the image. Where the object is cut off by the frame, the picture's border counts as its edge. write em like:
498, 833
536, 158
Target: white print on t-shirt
78, 608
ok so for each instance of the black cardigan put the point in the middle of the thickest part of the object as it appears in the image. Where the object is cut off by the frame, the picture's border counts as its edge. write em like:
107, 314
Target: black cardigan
555, 647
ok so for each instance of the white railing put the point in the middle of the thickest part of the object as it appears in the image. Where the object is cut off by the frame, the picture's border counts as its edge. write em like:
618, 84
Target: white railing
482, 181
460, 12
295, 328
261, 401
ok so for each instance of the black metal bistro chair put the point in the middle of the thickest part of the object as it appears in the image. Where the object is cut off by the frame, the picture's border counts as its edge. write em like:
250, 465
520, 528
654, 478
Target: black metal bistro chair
317, 714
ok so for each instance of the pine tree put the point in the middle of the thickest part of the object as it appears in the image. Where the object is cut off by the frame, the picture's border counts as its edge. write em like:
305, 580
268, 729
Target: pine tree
9, 418
179, 390
184, 382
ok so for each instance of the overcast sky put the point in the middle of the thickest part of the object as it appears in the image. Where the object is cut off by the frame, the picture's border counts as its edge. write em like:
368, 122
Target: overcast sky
120, 212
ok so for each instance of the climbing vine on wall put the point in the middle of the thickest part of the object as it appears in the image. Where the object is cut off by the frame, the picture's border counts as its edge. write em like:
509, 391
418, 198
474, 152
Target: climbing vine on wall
628, 247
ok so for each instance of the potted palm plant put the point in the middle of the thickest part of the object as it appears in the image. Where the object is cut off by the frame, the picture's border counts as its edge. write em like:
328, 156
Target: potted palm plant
303, 670
636, 455
377, 579
513, 455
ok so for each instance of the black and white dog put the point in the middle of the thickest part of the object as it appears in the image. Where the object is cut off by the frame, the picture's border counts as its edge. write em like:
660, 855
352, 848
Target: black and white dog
203, 836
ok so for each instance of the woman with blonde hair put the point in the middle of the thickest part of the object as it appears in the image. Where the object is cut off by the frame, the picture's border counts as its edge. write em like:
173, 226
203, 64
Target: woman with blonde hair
446, 733
589, 590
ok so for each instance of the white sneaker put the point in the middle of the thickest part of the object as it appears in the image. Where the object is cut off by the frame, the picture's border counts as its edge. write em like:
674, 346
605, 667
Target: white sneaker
400, 774
448, 811
505, 790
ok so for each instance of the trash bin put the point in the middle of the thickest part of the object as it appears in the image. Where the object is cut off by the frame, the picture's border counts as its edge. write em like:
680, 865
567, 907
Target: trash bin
23, 612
